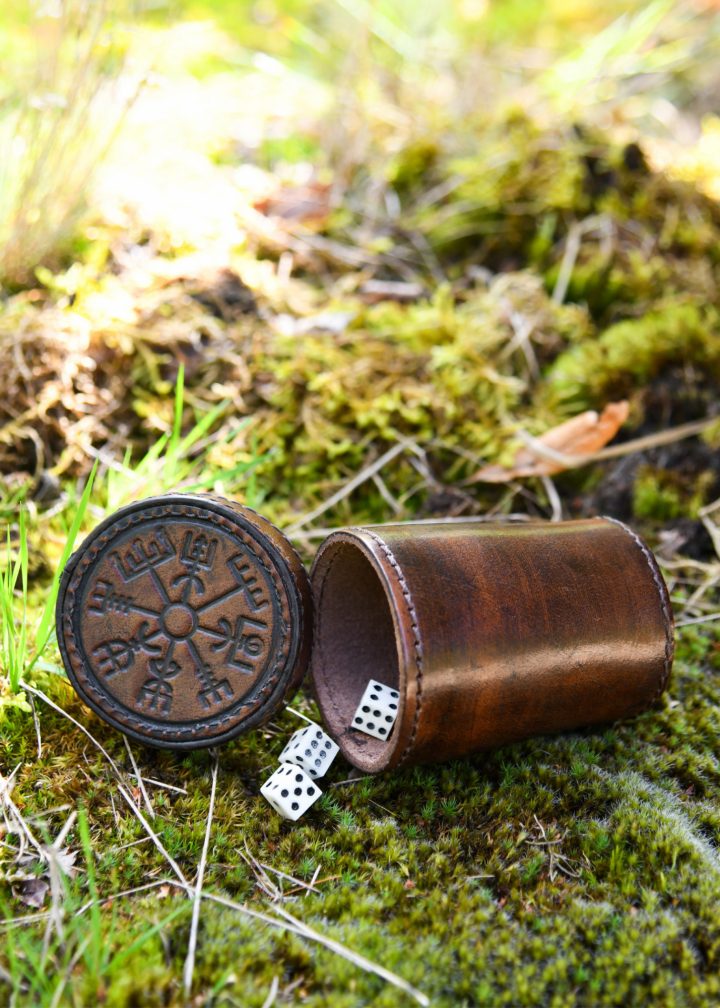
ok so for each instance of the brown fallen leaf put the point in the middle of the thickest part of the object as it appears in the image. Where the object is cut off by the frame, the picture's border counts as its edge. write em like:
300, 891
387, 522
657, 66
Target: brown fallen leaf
308, 203
32, 892
583, 435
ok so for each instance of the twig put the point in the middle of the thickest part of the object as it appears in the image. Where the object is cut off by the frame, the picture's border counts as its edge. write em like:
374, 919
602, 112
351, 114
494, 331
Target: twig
365, 474
6, 787
290, 878
195, 921
395, 505
36, 722
297, 713
126, 846
156, 884
153, 836
572, 250
553, 498
261, 877
354, 957
697, 619
164, 784
83, 729
141, 783
272, 993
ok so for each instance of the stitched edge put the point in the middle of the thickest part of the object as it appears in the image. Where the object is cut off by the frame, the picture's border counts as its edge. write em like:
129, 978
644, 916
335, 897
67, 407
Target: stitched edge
317, 645
664, 602
417, 646
172, 733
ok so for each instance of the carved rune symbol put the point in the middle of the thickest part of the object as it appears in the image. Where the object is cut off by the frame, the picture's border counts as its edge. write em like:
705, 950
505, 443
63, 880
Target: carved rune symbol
214, 690
240, 641
144, 555
118, 655
171, 636
156, 693
198, 553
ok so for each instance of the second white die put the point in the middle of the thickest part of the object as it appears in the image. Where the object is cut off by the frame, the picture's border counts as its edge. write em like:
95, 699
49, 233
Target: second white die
377, 710
290, 791
311, 749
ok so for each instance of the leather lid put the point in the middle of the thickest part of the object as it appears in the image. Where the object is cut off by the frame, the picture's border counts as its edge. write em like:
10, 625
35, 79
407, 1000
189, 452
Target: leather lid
184, 620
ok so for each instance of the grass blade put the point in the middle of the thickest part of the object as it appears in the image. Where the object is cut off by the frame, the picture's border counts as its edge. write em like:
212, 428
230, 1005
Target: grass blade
46, 621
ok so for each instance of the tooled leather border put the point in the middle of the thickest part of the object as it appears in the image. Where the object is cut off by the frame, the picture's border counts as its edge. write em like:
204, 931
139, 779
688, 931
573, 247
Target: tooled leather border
238, 718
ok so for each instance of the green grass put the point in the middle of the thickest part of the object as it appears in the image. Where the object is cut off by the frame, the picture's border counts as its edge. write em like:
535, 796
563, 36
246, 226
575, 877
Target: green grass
16, 656
174, 461
574, 870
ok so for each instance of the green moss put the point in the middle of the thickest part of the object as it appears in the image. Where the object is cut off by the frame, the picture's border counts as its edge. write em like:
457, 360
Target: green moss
655, 498
440, 873
626, 356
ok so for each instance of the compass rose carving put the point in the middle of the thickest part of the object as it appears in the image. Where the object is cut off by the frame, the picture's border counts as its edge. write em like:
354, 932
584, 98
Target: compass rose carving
169, 578
184, 620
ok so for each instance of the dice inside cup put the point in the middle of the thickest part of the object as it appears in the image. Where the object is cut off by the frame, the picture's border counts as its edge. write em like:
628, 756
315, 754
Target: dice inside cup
311, 749
290, 791
377, 710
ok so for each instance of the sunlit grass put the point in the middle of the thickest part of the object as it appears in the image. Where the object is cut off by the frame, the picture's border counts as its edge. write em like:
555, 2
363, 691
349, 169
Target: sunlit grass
79, 939
24, 640
177, 461
61, 102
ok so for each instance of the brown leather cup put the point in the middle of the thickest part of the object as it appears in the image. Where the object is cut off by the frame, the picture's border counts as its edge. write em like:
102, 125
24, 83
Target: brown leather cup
490, 632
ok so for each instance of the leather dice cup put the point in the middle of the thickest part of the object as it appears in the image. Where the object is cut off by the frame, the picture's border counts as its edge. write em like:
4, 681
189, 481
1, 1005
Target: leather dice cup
489, 633
184, 620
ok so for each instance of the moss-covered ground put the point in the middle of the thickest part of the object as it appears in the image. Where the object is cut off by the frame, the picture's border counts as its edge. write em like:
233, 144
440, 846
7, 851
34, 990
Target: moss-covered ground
268, 294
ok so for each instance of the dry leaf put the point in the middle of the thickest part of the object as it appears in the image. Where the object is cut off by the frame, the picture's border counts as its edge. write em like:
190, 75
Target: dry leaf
584, 435
33, 892
65, 859
307, 203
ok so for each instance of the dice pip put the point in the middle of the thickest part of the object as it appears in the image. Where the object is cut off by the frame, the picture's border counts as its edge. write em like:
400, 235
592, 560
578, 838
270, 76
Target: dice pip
290, 791
377, 710
311, 749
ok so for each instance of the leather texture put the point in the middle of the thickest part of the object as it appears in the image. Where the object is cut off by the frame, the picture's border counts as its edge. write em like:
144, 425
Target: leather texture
490, 632
185, 620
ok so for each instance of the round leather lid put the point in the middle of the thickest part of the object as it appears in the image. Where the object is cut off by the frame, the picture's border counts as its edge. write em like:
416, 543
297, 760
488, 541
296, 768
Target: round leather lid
184, 620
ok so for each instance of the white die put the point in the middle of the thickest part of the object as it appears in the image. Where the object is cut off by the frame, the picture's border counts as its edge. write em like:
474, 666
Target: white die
290, 791
377, 710
311, 749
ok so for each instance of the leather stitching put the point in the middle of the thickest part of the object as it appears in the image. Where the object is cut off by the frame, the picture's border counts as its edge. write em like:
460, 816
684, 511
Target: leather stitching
417, 646
317, 646
104, 700
664, 603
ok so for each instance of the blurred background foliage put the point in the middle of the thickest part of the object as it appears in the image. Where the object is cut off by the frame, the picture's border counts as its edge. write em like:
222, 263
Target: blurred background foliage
398, 176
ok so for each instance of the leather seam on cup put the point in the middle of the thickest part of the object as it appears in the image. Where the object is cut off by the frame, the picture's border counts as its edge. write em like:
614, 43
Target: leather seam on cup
417, 646
664, 604
317, 645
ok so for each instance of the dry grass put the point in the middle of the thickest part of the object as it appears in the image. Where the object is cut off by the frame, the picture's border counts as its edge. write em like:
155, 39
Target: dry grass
62, 102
